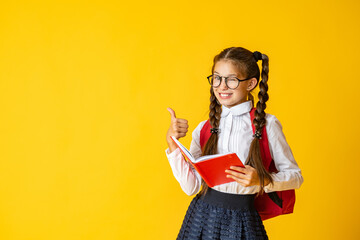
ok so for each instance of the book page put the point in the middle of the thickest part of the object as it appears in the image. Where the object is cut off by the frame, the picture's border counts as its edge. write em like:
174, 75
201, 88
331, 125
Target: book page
184, 149
203, 158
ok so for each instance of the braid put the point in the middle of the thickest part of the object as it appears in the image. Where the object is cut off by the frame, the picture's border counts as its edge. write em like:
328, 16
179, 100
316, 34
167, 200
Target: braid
214, 115
254, 158
263, 96
214, 118
246, 63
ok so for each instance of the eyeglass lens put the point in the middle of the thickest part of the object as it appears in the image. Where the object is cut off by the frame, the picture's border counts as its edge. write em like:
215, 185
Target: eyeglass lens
231, 82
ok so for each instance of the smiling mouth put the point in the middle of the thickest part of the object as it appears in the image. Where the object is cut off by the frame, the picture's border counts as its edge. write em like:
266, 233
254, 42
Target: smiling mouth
225, 95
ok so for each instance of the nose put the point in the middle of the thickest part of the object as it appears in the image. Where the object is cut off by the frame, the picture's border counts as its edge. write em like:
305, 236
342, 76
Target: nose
223, 83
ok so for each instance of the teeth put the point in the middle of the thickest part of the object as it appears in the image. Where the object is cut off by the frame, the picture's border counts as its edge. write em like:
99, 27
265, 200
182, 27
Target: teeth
225, 95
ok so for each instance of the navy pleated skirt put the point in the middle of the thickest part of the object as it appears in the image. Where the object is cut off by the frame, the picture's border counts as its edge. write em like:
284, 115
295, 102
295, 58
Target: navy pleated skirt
218, 215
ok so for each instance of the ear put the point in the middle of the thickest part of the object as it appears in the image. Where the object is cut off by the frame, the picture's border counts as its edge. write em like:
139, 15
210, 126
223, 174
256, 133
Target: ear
251, 84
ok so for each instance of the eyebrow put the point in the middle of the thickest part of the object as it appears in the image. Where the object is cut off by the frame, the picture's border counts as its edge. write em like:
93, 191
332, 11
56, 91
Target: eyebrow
228, 75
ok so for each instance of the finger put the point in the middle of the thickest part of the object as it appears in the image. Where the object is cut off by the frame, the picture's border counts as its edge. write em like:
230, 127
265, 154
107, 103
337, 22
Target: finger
181, 130
181, 125
180, 120
172, 113
239, 169
237, 174
177, 127
179, 135
239, 180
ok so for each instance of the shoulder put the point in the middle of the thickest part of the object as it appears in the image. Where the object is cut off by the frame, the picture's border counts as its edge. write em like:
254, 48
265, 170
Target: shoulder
199, 127
271, 119
273, 125
197, 130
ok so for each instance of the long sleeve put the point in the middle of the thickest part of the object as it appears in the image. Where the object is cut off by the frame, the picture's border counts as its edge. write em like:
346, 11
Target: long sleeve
184, 173
235, 136
289, 175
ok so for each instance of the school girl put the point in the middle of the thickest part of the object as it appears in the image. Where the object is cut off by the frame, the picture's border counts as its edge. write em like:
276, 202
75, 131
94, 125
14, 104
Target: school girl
227, 211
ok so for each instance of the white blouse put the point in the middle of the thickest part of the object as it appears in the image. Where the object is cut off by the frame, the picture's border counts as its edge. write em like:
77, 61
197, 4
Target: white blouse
235, 136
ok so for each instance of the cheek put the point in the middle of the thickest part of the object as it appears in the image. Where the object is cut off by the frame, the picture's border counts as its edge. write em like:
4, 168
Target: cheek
240, 92
239, 95
236, 93
216, 94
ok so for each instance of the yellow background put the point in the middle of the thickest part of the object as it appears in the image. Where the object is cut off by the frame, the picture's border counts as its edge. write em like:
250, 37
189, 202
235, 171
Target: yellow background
83, 97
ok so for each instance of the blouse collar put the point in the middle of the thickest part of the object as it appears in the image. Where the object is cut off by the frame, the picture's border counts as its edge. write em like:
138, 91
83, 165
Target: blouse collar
239, 109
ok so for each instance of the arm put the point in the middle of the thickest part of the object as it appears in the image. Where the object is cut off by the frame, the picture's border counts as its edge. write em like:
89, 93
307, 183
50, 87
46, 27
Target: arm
185, 174
289, 175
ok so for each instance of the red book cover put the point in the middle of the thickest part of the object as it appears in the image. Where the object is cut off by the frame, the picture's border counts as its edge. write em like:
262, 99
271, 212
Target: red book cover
211, 167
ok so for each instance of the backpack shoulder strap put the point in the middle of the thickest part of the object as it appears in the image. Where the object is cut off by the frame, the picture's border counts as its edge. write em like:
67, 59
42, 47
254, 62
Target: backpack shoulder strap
268, 205
264, 143
266, 157
205, 134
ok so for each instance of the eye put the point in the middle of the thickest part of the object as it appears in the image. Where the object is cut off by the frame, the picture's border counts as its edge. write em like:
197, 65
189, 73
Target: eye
216, 77
232, 79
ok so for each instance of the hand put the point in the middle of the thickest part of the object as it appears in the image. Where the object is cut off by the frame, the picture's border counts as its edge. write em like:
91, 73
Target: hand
178, 128
246, 176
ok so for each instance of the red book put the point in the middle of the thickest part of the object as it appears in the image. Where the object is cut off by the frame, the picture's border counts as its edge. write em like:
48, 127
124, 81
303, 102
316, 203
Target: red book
211, 167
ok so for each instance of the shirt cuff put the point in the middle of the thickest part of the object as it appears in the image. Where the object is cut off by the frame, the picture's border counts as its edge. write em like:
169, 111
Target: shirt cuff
267, 188
174, 154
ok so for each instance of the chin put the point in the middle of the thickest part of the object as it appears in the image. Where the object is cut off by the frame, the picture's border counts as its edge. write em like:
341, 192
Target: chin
227, 104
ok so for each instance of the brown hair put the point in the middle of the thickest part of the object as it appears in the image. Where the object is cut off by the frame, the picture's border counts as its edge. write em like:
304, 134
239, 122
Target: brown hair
245, 61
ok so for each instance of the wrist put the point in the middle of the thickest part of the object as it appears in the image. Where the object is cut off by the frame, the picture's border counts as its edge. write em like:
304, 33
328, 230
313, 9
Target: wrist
172, 146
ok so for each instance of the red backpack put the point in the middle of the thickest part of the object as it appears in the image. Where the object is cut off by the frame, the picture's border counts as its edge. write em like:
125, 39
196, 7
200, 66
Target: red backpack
270, 204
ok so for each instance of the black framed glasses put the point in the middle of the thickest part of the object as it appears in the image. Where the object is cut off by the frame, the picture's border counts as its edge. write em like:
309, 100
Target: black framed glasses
231, 82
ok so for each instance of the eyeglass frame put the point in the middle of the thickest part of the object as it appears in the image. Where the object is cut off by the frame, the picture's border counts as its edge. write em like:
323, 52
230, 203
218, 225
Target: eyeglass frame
226, 78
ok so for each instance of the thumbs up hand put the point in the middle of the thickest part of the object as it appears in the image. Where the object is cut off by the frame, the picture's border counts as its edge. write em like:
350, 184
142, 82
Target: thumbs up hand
178, 128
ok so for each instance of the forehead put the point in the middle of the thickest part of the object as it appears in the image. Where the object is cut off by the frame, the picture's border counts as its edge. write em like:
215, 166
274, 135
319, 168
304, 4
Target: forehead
226, 68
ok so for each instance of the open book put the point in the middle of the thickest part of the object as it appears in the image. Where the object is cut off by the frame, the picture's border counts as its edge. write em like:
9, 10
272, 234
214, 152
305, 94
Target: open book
211, 167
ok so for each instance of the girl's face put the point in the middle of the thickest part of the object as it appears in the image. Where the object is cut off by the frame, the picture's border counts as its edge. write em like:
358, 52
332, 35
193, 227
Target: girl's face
231, 97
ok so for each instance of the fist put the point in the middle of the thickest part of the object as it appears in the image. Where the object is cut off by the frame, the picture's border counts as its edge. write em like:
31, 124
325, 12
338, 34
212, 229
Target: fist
178, 128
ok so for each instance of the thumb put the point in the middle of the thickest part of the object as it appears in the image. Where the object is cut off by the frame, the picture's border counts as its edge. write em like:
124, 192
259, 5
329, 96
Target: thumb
172, 113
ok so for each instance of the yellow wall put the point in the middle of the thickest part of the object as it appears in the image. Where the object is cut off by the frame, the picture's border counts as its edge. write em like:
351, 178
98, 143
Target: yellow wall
84, 88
